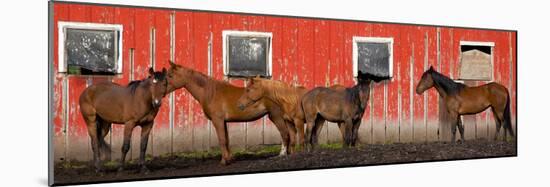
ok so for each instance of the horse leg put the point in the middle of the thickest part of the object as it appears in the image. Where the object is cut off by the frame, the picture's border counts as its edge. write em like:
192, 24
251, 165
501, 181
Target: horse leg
299, 125
128, 127
93, 132
349, 132
342, 128
355, 133
498, 123
223, 139
319, 123
283, 129
308, 135
145, 131
104, 147
460, 129
454, 123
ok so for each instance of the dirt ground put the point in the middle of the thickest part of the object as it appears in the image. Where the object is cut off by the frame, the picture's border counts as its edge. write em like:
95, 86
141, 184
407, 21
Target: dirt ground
266, 159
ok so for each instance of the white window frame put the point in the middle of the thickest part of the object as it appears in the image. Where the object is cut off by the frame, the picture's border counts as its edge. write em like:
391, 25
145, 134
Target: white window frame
360, 39
225, 43
62, 27
478, 43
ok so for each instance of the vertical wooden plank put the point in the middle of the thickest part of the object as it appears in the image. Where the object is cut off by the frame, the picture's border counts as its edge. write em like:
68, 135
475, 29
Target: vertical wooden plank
161, 130
446, 54
417, 36
321, 42
61, 13
405, 125
306, 52
78, 140
513, 87
336, 53
432, 103
201, 34
379, 91
184, 55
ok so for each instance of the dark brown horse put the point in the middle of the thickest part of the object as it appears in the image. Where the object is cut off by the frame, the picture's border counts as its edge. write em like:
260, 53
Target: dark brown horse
338, 105
460, 100
134, 105
286, 97
219, 103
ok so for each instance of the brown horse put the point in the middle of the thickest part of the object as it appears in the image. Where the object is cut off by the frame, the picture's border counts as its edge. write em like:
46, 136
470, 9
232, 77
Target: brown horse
286, 97
460, 100
219, 103
337, 105
134, 105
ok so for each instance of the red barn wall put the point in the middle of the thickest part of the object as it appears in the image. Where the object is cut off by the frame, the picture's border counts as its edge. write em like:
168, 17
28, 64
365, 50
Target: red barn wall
306, 51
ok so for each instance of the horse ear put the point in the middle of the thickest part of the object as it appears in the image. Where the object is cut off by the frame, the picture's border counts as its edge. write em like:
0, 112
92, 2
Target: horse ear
151, 71
431, 68
164, 71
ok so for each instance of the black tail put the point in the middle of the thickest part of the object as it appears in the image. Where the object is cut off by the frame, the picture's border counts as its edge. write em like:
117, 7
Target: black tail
507, 120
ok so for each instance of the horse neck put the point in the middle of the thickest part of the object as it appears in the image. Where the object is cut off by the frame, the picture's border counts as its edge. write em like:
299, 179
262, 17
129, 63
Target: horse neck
283, 96
142, 95
198, 85
439, 85
361, 92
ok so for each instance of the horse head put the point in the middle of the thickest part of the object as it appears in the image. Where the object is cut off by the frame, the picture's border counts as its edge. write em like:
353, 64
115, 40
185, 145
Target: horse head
158, 86
426, 82
253, 92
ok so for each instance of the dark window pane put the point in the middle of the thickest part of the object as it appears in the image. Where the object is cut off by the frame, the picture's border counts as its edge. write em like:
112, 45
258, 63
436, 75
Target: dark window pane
373, 58
248, 56
91, 51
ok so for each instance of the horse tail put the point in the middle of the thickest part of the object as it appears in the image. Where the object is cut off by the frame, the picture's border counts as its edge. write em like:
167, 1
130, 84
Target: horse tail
507, 118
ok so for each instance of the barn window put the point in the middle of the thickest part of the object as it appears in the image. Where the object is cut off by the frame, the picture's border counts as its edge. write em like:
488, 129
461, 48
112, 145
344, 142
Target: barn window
373, 55
246, 54
476, 60
89, 48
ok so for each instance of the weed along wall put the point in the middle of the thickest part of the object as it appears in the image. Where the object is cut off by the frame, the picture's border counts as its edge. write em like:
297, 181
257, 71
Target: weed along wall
301, 51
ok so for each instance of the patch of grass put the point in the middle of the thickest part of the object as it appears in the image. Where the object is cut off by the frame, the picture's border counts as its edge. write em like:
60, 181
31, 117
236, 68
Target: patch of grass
148, 157
270, 149
331, 146
199, 154
111, 164
73, 165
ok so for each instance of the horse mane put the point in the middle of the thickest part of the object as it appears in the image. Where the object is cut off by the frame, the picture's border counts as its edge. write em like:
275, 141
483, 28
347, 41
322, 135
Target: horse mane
133, 86
281, 91
352, 94
448, 85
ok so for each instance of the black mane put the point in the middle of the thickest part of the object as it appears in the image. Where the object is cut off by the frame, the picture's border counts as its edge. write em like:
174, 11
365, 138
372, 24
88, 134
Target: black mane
133, 85
448, 85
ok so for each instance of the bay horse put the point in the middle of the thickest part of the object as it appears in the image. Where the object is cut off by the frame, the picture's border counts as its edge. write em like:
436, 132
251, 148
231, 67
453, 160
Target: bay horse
218, 100
338, 105
287, 97
461, 99
134, 105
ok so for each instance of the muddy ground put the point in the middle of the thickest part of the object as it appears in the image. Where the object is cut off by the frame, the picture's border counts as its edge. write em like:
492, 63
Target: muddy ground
266, 159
